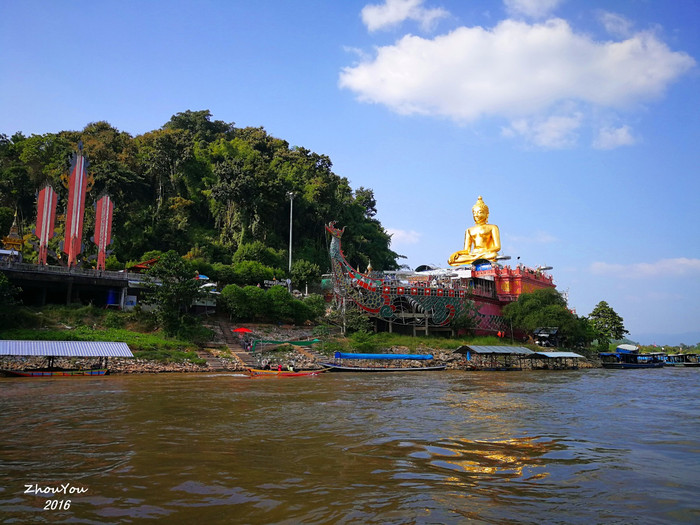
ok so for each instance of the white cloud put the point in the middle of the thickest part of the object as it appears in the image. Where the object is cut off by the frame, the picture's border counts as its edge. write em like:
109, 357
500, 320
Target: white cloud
531, 8
666, 267
403, 237
552, 132
392, 12
610, 138
522, 72
615, 24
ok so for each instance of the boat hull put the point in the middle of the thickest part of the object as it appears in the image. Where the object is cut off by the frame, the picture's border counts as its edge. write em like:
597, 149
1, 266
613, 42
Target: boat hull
340, 368
56, 373
632, 365
255, 372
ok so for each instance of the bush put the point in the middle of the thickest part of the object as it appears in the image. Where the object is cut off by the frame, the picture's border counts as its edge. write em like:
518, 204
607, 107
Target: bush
234, 301
258, 302
191, 329
363, 341
258, 252
353, 320
316, 305
248, 273
114, 320
223, 273
282, 307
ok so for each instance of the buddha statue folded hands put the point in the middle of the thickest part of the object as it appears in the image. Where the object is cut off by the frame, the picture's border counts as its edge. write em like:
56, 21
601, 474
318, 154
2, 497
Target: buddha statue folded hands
482, 241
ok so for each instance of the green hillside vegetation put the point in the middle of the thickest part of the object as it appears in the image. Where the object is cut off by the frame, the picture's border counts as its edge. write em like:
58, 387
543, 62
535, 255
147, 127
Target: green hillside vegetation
211, 192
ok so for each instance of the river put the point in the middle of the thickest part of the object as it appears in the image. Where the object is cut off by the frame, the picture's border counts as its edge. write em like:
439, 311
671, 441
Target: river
587, 446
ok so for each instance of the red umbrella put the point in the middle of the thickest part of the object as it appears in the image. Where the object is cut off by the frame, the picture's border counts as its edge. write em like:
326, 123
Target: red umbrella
242, 330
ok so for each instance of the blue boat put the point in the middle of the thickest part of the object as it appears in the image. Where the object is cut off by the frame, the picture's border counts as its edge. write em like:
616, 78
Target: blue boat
339, 367
682, 360
628, 356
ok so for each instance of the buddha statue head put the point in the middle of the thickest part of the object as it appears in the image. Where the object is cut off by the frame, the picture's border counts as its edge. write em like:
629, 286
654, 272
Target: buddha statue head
480, 211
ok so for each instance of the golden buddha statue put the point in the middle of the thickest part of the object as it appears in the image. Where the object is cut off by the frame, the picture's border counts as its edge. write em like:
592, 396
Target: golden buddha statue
482, 241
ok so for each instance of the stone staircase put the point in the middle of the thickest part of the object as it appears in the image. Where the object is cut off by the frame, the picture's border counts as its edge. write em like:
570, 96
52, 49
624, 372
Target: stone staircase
312, 354
213, 362
233, 344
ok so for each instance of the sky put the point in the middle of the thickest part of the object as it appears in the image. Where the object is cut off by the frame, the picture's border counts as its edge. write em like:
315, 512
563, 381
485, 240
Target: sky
578, 121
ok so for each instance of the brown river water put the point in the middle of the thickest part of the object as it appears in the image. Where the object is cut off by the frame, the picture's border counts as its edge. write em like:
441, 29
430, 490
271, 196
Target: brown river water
588, 446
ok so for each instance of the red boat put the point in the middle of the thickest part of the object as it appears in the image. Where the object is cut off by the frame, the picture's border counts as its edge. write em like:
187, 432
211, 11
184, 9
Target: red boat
256, 372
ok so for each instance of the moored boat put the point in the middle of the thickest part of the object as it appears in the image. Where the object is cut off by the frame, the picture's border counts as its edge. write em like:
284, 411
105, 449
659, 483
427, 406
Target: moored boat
257, 372
340, 367
628, 356
57, 372
344, 368
682, 360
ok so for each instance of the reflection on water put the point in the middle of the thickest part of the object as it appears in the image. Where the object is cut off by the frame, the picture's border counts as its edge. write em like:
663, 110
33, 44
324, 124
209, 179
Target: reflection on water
526, 447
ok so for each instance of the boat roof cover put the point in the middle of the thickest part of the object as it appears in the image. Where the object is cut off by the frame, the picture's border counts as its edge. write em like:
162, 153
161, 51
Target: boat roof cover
493, 349
65, 349
630, 348
558, 354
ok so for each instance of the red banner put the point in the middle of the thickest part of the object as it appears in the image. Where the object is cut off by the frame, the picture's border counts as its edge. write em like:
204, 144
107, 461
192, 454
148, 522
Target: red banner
77, 188
103, 229
45, 219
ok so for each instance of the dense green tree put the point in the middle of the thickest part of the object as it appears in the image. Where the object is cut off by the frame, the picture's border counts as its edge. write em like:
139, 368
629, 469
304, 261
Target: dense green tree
258, 251
201, 126
7, 216
201, 182
252, 273
607, 324
305, 272
172, 289
235, 302
547, 308
365, 198
8, 292
8, 301
316, 305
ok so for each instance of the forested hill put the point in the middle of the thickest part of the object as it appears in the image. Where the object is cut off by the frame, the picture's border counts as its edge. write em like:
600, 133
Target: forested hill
200, 187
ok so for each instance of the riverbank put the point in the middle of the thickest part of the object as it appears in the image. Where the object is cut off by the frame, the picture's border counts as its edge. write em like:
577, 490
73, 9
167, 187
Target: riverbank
231, 351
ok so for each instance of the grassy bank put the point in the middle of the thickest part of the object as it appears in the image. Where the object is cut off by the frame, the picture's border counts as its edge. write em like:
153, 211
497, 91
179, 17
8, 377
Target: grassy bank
88, 323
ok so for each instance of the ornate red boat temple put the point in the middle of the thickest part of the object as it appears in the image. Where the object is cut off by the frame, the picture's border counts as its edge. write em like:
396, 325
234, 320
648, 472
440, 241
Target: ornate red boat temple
431, 299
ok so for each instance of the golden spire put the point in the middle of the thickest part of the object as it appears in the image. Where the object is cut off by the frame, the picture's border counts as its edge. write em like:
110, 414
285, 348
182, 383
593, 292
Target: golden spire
13, 241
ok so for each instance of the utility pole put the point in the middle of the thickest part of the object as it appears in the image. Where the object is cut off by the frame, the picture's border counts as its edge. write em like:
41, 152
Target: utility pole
291, 207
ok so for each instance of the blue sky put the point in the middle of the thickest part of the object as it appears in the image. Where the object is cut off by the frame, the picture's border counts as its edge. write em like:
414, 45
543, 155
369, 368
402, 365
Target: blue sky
577, 120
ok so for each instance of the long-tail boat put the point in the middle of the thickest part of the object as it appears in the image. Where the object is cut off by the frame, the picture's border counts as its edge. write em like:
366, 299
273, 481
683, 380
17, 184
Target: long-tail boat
257, 372
57, 372
338, 366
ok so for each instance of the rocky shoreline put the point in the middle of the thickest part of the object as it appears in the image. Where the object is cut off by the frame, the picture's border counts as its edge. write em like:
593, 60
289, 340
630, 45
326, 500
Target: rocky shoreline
226, 354
283, 358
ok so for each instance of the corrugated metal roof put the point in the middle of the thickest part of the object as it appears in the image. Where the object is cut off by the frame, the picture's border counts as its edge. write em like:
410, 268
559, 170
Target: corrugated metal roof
65, 349
558, 354
519, 350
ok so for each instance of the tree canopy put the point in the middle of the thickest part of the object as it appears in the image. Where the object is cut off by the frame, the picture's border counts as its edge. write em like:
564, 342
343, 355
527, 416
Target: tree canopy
608, 325
548, 308
200, 185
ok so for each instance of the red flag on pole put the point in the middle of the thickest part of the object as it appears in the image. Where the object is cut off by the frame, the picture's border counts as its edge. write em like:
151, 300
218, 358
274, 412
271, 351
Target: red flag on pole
103, 228
77, 188
45, 219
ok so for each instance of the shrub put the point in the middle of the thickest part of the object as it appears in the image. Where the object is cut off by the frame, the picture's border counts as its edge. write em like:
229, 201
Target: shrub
363, 341
114, 320
248, 273
316, 305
